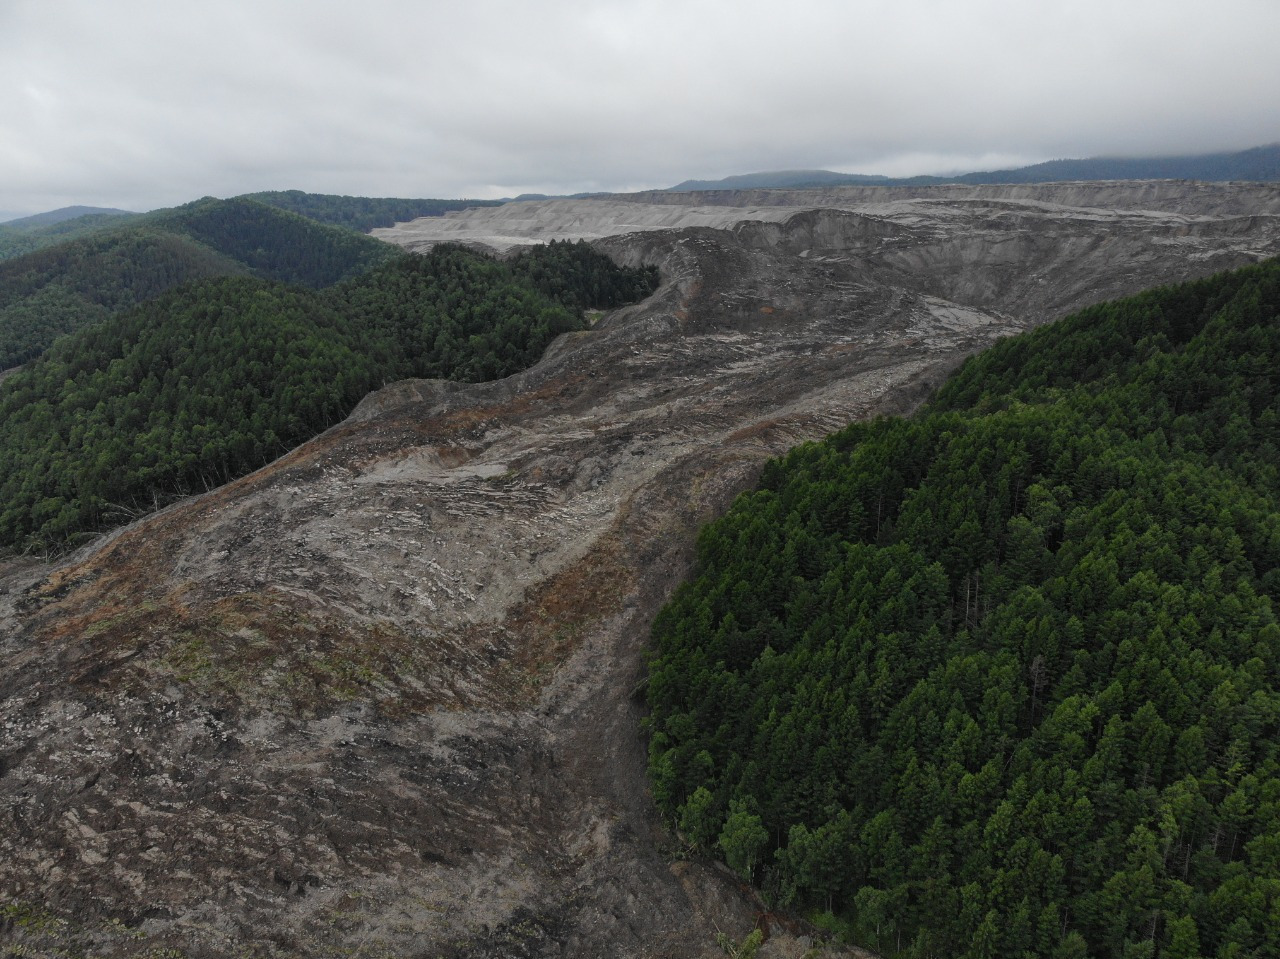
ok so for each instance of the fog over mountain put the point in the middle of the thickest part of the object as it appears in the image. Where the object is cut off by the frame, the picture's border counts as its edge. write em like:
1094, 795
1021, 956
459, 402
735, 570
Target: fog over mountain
139, 104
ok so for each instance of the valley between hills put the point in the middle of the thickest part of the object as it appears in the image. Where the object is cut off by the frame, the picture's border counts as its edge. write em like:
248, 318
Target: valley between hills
384, 696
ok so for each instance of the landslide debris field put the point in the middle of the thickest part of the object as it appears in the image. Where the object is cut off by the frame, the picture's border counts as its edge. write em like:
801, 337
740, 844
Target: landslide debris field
381, 697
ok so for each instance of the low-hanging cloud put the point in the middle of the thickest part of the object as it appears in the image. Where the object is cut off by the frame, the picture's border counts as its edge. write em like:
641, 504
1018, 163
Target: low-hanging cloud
141, 104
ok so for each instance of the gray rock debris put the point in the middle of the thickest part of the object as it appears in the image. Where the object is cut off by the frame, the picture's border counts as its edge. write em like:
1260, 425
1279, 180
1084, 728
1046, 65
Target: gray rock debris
377, 698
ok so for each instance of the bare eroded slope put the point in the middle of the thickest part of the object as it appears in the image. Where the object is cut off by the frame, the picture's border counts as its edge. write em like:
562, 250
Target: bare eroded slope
379, 698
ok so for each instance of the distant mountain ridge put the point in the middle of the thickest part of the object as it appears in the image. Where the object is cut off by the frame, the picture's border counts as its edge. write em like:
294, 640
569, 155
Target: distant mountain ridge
57, 216
1259, 164
784, 179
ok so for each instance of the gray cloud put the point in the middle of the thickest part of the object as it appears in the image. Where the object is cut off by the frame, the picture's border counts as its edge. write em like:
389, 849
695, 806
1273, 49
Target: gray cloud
142, 104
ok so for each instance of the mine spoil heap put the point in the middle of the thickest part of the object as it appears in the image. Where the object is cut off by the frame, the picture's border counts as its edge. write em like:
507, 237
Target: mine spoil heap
383, 697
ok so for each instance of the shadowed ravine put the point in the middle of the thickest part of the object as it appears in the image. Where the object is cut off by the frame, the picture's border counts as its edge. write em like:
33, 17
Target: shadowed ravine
381, 697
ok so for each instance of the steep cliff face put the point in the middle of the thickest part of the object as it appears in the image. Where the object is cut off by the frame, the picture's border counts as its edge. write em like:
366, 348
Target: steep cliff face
380, 697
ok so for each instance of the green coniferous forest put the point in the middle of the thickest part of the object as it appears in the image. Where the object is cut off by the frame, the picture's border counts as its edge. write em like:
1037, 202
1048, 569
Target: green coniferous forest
18, 238
361, 213
83, 281
219, 376
1003, 679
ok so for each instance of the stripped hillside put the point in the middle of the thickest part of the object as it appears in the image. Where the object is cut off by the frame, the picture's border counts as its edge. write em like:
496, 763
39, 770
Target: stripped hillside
384, 695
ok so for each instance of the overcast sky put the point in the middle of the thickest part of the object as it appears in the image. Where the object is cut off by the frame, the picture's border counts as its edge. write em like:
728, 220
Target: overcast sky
139, 104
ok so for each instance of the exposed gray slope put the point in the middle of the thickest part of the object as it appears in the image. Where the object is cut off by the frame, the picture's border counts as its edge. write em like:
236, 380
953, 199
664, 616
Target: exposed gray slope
377, 697
1161, 204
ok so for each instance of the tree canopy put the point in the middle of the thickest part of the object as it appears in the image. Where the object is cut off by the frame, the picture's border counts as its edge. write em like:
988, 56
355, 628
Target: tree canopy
1003, 679
26, 235
360, 213
82, 281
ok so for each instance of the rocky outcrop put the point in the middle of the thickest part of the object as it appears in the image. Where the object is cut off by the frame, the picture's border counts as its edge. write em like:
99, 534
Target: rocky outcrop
382, 697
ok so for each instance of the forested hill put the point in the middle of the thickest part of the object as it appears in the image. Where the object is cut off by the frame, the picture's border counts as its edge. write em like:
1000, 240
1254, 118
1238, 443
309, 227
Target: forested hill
216, 378
276, 244
358, 213
73, 284
361, 213
31, 233
1003, 679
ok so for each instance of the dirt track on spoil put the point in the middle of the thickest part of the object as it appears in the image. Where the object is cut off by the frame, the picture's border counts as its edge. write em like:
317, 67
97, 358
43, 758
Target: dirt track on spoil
380, 697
